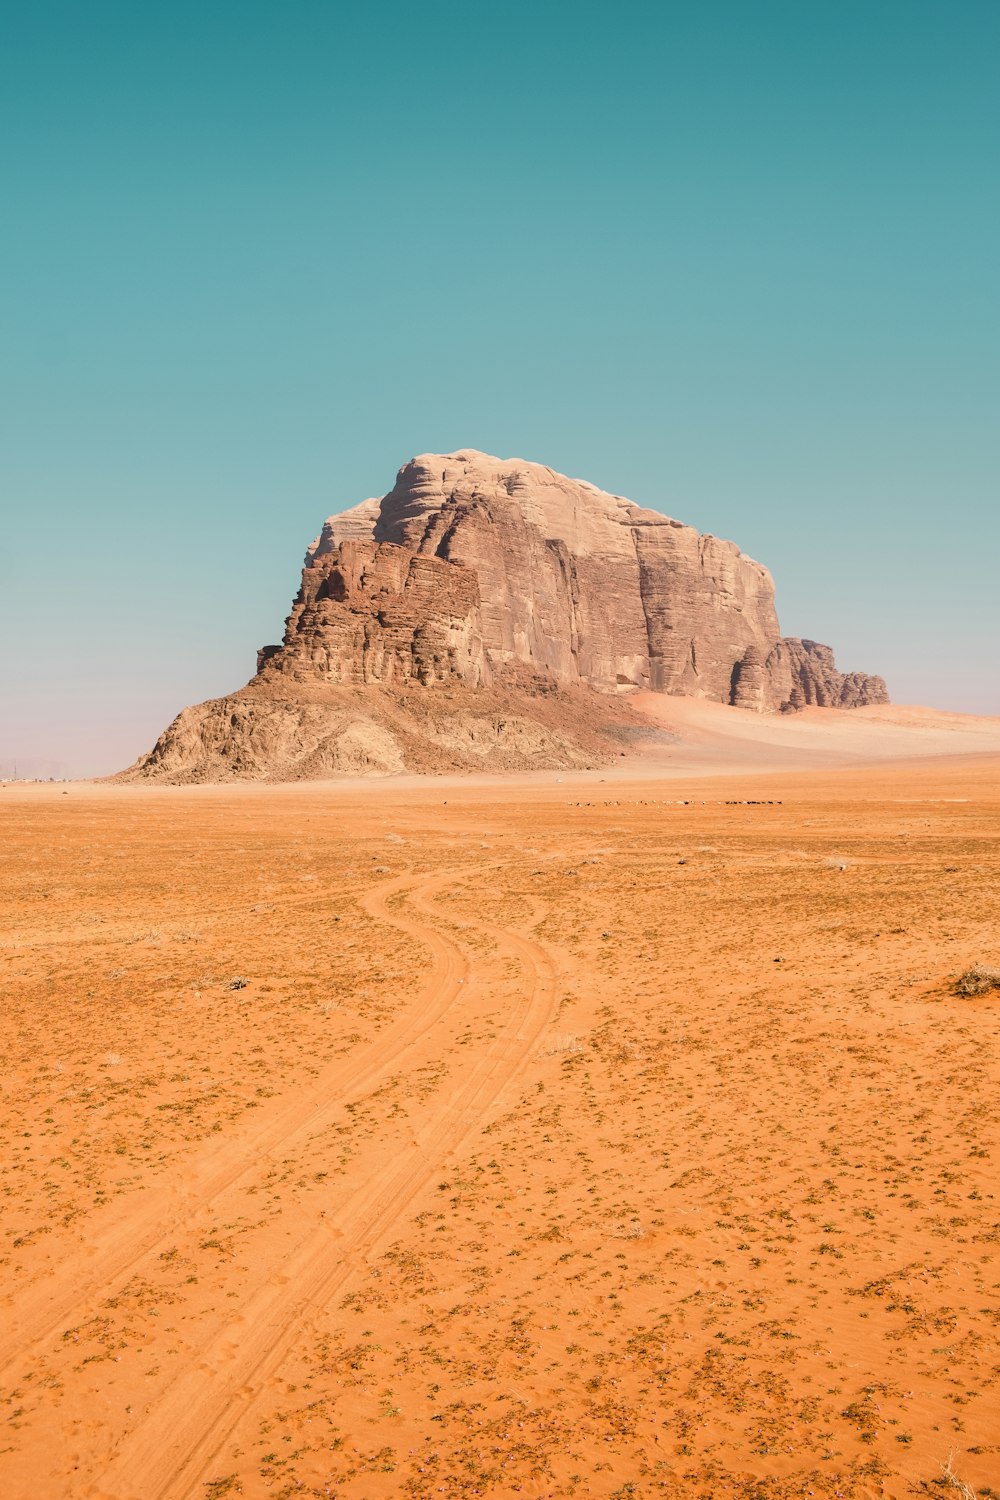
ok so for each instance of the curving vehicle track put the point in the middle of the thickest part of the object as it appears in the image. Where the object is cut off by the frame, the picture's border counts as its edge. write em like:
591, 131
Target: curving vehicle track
138, 1226
167, 1450
170, 1453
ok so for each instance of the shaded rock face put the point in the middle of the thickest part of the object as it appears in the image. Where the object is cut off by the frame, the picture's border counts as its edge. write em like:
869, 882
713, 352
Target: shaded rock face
371, 612
474, 570
804, 672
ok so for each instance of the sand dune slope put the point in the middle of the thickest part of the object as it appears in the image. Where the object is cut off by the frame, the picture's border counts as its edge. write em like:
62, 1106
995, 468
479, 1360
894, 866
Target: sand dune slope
708, 738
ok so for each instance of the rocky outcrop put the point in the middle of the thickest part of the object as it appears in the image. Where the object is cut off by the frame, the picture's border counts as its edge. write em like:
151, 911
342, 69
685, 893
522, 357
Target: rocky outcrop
372, 612
470, 566
495, 614
800, 673
750, 681
273, 730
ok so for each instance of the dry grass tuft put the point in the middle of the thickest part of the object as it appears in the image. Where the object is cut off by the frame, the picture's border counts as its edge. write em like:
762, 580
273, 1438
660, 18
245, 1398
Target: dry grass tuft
951, 1480
979, 980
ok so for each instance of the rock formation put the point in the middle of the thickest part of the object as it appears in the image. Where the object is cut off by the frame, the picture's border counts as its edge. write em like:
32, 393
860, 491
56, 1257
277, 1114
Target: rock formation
470, 565
505, 581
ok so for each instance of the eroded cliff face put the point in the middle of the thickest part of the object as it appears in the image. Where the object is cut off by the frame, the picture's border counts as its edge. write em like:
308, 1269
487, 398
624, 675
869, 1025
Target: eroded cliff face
464, 621
472, 569
372, 612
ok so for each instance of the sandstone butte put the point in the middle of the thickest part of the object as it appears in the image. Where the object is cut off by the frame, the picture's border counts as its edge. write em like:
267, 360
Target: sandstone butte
493, 614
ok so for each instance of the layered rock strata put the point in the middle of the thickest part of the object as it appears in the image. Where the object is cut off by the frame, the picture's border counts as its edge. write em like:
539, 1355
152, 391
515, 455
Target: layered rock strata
495, 614
470, 566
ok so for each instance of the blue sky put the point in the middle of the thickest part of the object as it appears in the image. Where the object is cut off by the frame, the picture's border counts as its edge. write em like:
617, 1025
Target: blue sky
737, 260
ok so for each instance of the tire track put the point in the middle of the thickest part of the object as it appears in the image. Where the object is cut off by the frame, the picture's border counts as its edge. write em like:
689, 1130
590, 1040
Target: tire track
169, 1454
140, 1225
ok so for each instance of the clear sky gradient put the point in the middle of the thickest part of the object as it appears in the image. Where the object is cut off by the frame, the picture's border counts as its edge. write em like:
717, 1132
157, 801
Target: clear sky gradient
737, 260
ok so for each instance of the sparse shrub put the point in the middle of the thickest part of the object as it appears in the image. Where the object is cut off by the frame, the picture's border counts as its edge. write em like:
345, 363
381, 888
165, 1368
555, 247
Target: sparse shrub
950, 1480
237, 983
631, 1229
216, 1488
979, 980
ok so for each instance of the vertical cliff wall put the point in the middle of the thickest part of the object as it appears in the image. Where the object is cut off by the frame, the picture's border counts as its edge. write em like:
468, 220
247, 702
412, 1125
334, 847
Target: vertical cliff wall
472, 567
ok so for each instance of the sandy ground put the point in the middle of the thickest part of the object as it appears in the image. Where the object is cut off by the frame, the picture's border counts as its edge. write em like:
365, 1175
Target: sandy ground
594, 1136
711, 739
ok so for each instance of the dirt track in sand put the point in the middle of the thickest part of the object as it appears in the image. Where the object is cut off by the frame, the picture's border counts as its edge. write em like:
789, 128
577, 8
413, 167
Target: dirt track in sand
599, 1137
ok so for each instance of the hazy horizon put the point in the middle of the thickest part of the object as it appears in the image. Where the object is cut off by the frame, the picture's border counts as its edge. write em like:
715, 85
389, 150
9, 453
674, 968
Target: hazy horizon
736, 263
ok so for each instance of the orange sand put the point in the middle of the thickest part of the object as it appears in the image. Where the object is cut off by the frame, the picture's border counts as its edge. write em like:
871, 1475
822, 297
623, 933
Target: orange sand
592, 1137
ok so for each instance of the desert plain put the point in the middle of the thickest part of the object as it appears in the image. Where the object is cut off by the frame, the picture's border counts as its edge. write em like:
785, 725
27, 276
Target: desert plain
615, 1133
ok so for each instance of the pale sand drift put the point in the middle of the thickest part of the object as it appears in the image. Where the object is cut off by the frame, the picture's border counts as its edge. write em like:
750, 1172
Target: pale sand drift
615, 1133
713, 738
